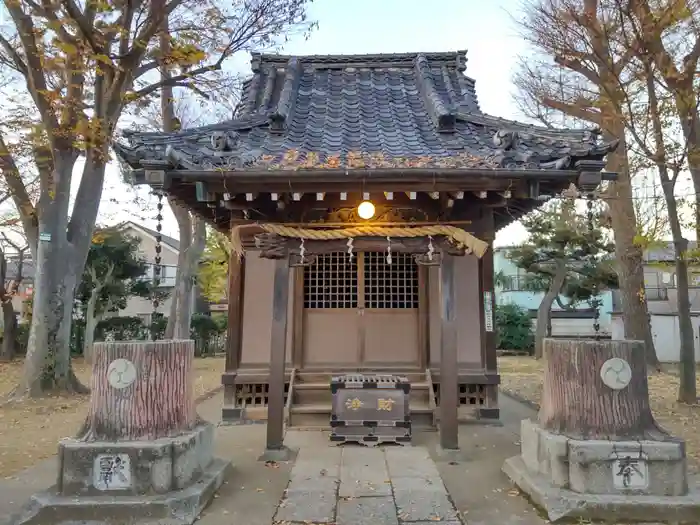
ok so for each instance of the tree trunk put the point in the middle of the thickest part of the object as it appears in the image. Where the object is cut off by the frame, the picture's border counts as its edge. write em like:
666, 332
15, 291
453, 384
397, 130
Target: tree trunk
140, 391
9, 332
90, 325
687, 108
184, 224
577, 403
687, 391
544, 311
628, 254
58, 264
183, 316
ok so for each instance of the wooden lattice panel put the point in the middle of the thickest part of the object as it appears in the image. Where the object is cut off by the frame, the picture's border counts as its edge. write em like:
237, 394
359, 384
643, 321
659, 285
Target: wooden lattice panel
390, 286
468, 394
331, 282
254, 395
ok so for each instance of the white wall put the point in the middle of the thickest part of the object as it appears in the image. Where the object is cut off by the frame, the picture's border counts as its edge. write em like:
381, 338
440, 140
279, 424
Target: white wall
666, 334
573, 327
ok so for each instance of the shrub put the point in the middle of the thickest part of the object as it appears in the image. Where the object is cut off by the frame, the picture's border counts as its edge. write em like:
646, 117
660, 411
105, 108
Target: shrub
513, 328
207, 334
120, 329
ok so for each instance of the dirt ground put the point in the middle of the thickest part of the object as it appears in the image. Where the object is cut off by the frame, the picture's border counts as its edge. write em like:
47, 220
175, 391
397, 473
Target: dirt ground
31, 430
523, 376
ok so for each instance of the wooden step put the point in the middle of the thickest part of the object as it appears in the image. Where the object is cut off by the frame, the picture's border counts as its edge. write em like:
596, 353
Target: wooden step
307, 376
318, 415
312, 415
421, 415
311, 394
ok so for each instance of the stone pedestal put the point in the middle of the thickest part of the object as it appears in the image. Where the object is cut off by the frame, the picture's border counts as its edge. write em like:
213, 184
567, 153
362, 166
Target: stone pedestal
596, 451
604, 480
142, 456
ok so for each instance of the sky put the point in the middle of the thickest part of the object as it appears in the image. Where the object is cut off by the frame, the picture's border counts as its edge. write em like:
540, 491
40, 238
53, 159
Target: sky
485, 28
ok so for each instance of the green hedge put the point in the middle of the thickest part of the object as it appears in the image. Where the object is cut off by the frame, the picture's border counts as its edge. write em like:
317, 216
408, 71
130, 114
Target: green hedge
514, 328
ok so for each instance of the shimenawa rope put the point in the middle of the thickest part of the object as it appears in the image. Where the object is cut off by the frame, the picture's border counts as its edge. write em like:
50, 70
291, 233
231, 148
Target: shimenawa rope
457, 235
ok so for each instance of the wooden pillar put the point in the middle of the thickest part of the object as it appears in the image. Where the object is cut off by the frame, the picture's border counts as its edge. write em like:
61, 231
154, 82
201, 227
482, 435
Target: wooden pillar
423, 317
278, 340
234, 337
298, 318
449, 388
487, 306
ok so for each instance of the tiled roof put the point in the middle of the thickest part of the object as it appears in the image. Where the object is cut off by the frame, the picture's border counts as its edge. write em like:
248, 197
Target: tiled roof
362, 111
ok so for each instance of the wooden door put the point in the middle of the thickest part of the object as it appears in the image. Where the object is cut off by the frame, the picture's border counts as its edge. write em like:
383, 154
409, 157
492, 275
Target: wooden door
361, 312
331, 314
389, 298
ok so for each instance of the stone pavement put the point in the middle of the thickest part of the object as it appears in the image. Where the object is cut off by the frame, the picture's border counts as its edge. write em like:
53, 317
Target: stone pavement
254, 494
355, 485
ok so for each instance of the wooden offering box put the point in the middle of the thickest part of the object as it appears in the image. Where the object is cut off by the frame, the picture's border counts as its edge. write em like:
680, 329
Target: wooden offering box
370, 409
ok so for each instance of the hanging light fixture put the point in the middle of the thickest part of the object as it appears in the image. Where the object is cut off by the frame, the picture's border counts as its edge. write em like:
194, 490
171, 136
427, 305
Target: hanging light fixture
365, 210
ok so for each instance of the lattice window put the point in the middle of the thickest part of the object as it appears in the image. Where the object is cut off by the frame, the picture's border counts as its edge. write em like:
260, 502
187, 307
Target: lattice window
331, 282
392, 285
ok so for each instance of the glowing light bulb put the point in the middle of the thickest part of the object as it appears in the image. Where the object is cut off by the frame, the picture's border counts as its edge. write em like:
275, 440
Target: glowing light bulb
365, 210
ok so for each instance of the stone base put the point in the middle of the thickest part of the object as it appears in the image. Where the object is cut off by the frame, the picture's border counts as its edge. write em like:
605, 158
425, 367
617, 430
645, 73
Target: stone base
563, 505
597, 479
181, 507
278, 455
450, 455
591, 466
147, 467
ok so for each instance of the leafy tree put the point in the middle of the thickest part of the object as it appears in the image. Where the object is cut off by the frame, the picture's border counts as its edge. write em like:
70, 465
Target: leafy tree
121, 329
73, 69
572, 70
513, 328
567, 256
661, 115
213, 270
112, 275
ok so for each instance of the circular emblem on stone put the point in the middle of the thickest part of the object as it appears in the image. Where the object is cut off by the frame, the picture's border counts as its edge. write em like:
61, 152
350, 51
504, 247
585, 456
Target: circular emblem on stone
121, 373
616, 373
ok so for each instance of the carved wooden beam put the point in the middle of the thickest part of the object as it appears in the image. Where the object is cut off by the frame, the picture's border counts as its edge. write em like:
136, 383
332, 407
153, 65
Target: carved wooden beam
273, 246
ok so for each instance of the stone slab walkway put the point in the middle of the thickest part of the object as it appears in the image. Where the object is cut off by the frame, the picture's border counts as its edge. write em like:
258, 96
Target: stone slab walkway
355, 485
252, 493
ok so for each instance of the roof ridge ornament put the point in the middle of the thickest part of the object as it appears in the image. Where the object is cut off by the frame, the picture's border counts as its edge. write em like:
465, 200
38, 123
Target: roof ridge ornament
284, 107
444, 117
224, 140
452, 59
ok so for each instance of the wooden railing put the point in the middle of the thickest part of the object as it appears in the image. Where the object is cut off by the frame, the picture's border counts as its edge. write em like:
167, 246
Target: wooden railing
432, 405
290, 395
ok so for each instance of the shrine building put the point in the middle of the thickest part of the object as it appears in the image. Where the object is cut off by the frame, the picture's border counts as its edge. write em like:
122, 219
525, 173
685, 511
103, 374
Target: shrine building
362, 194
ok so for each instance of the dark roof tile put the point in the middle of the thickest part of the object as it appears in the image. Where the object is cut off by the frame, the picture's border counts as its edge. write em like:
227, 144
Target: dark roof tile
321, 111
